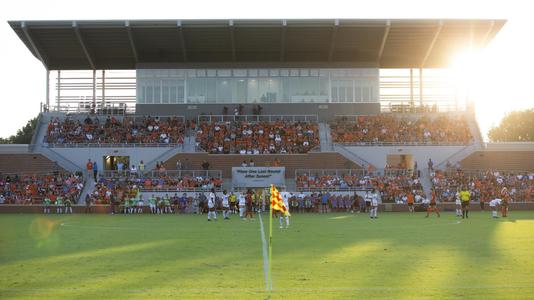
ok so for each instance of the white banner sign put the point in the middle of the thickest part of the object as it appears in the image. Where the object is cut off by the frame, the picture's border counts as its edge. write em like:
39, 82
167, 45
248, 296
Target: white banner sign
258, 176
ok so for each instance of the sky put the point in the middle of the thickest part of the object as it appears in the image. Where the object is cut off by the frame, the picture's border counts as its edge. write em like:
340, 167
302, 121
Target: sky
502, 72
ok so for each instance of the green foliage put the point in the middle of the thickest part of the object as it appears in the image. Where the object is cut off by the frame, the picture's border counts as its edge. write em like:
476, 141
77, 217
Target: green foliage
321, 256
24, 135
517, 126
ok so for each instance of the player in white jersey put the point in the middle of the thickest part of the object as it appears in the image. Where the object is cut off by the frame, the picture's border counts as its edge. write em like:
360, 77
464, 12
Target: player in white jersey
458, 204
225, 205
494, 206
374, 205
285, 198
242, 202
211, 205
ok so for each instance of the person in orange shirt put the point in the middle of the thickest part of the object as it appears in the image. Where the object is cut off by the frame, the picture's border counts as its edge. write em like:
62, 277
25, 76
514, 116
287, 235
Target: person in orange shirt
410, 202
432, 207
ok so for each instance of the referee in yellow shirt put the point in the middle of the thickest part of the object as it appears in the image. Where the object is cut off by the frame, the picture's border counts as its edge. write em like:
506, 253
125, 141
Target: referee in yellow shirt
465, 196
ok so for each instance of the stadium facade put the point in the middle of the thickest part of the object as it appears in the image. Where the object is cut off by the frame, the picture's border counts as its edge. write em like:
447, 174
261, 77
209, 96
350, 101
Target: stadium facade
298, 70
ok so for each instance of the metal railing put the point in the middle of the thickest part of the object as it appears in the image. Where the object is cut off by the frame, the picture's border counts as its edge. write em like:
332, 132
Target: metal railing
158, 174
389, 172
258, 118
113, 145
378, 143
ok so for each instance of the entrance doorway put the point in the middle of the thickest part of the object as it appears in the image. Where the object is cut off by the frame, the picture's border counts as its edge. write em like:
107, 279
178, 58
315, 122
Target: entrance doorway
111, 162
400, 161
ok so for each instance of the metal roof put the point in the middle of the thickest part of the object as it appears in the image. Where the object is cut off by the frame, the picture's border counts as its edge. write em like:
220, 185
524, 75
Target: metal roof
127, 44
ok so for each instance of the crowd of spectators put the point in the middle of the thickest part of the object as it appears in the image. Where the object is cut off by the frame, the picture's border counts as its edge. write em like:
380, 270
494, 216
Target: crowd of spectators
392, 187
145, 130
242, 137
393, 129
484, 186
117, 188
32, 189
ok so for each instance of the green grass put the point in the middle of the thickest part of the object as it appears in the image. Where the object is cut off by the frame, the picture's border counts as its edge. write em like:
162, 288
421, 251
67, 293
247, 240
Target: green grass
398, 256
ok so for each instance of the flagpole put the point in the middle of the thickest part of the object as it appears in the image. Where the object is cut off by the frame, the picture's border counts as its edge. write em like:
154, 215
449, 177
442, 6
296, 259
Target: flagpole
270, 285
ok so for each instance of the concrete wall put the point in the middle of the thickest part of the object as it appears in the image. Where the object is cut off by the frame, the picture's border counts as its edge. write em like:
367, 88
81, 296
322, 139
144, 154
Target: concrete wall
325, 111
79, 156
378, 155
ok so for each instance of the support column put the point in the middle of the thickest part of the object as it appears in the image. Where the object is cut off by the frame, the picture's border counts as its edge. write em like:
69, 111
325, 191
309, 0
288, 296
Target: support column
47, 98
103, 88
411, 88
421, 86
94, 92
58, 102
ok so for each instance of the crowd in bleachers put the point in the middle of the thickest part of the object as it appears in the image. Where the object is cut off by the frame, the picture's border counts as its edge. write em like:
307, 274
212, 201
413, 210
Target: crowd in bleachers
242, 137
145, 130
484, 185
392, 187
393, 129
32, 189
117, 188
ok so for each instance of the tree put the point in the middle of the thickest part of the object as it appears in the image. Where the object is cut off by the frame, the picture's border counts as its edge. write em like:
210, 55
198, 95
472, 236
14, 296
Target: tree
24, 135
517, 126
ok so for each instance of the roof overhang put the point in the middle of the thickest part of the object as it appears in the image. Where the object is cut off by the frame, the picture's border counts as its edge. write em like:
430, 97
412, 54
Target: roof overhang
125, 44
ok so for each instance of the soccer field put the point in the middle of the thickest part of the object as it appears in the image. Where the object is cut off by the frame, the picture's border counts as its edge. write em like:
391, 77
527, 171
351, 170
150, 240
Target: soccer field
397, 256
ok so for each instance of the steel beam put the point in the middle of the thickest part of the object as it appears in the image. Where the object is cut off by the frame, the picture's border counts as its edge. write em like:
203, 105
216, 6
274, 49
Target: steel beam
232, 38
182, 40
432, 43
82, 44
131, 40
384, 40
32, 44
333, 40
283, 41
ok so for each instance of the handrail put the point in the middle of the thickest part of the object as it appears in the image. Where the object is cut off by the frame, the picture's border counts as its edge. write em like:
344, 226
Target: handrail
257, 118
158, 174
112, 145
372, 144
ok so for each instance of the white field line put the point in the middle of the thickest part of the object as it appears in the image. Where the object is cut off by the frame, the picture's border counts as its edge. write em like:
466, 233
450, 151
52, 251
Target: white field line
265, 256
243, 289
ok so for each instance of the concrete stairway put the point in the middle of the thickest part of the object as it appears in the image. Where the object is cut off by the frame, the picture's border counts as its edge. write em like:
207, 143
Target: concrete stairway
325, 137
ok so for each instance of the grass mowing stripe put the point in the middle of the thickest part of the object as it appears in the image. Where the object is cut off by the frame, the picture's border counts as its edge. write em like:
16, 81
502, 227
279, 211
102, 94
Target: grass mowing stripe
265, 256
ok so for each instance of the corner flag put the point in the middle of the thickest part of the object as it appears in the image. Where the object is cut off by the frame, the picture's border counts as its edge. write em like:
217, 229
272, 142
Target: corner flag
277, 204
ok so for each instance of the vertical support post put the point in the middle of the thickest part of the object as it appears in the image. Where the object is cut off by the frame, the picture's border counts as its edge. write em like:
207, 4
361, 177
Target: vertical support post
421, 86
47, 88
58, 102
94, 91
270, 273
411, 88
103, 88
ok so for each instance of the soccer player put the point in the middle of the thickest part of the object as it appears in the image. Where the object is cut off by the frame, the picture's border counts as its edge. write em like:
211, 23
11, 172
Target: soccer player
46, 203
373, 211
249, 205
505, 200
285, 198
152, 204
242, 204
432, 207
126, 205
140, 203
494, 206
88, 203
458, 204
225, 205
211, 205
465, 196
410, 200
59, 204
367, 201
68, 205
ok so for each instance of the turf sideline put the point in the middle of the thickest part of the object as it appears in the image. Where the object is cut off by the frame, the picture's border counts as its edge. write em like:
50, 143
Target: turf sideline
265, 256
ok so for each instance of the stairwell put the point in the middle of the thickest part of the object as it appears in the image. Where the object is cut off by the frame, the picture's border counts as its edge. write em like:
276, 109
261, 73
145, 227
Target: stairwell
350, 155
325, 136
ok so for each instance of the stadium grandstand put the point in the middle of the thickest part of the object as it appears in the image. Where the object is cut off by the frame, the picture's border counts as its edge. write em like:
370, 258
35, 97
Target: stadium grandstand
344, 105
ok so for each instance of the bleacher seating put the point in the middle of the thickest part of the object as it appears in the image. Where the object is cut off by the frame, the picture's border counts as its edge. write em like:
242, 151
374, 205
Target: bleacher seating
486, 185
392, 129
243, 137
130, 130
31, 189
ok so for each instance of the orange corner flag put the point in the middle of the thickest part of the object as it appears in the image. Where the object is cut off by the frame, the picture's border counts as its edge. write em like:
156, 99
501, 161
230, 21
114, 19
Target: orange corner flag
277, 204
